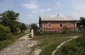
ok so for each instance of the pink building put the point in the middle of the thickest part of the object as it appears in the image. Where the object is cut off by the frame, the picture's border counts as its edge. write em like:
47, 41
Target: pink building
56, 23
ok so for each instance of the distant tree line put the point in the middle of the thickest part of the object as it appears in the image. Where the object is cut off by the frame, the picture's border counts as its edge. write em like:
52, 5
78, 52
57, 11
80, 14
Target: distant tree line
9, 24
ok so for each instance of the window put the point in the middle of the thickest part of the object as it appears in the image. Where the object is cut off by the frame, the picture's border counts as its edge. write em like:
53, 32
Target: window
68, 24
60, 25
43, 26
49, 25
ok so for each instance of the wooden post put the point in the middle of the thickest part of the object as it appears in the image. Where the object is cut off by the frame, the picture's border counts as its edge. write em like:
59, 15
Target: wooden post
32, 32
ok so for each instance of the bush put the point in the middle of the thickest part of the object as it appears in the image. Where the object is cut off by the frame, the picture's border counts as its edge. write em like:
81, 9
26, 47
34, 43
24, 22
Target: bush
65, 30
5, 32
40, 32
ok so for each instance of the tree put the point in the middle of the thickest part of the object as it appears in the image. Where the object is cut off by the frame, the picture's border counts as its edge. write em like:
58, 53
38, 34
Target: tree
23, 26
9, 18
82, 20
35, 28
9, 14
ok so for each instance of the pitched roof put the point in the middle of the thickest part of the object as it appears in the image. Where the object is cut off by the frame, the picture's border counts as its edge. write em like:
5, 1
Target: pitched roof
57, 18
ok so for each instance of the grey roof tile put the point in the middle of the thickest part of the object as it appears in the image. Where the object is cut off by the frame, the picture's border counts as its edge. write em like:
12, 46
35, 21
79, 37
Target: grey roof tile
57, 18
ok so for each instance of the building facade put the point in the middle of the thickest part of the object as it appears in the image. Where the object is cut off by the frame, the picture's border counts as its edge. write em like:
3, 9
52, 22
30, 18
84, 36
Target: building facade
56, 23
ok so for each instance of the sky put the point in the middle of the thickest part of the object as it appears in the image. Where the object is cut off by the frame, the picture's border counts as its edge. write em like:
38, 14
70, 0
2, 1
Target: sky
30, 10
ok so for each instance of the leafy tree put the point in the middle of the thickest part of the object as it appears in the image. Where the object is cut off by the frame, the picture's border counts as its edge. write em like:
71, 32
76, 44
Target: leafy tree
9, 14
82, 19
9, 18
5, 32
23, 26
34, 26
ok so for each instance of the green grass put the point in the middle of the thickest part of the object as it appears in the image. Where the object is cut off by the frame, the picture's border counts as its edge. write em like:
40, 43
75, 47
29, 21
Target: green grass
8, 42
74, 47
50, 42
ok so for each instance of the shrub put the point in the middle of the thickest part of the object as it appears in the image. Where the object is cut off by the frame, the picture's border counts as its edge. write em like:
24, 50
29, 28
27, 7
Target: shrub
65, 30
5, 32
40, 32
68, 49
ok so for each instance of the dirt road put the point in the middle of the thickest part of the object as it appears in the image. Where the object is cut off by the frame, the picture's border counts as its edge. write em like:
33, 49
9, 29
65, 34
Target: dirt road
20, 47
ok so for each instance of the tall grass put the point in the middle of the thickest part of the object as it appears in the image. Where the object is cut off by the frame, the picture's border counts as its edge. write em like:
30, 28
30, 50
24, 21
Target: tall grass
74, 47
50, 42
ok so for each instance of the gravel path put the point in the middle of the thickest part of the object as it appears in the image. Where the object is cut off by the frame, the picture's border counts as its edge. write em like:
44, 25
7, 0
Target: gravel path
72, 37
20, 47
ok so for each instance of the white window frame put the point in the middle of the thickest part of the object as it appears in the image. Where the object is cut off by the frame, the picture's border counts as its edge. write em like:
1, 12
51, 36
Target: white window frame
49, 25
68, 24
43, 25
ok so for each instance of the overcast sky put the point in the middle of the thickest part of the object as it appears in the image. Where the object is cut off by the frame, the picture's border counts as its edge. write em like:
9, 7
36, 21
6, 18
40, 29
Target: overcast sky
30, 10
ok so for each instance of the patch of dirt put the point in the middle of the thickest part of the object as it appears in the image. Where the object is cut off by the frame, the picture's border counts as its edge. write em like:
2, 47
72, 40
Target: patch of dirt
20, 47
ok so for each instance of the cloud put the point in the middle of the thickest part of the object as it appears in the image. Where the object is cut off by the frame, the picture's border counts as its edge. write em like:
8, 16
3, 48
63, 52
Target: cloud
31, 5
45, 10
34, 7
40, 10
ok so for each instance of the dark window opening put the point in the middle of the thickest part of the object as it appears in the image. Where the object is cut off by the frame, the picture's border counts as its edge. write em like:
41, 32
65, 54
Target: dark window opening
49, 25
60, 25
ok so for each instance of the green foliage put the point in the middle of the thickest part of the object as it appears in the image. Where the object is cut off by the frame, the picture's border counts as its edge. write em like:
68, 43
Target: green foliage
65, 30
7, 42
22, 26
82, 19
9, 18
48, 43
10, 15
5, 32
40, 32
9, 24
34, 26
75, 47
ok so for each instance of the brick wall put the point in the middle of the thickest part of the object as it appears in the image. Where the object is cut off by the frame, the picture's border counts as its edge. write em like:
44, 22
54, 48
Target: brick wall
55, 26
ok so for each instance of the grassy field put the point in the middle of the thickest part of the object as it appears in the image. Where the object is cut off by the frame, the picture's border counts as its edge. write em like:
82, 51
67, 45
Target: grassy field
50, 42
74, 47
8, 42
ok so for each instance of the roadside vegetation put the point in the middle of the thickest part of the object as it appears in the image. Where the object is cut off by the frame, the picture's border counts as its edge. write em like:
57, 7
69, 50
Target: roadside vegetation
7, 42
74, 47
48, 43
10, 28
